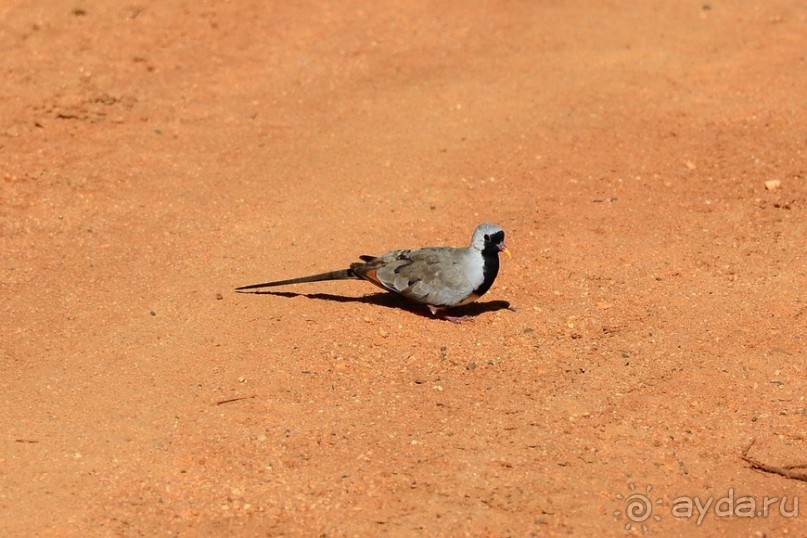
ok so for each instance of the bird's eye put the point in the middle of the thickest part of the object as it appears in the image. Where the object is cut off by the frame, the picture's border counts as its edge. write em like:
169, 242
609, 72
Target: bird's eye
487, 237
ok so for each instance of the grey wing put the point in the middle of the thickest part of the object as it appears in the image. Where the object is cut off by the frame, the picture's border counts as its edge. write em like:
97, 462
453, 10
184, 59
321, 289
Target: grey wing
435, 276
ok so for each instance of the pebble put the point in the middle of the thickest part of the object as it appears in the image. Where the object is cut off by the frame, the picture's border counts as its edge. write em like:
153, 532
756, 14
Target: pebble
773, 184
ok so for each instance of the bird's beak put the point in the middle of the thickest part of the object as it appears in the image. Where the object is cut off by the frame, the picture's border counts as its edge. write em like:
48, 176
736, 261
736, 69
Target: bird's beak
503, 248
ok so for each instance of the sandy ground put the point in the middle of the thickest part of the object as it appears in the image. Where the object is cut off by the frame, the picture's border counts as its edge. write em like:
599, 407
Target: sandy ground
154, 155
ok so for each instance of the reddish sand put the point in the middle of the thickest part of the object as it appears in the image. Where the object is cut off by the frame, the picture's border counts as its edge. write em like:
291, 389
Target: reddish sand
652, 323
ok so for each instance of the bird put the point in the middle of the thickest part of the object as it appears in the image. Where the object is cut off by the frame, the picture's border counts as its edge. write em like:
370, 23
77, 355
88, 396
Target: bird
437, 277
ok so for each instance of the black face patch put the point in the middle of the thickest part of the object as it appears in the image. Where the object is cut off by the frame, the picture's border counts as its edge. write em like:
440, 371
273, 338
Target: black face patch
493, 241
498, 237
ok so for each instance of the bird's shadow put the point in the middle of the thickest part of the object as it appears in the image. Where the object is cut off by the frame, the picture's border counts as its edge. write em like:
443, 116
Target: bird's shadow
390, 300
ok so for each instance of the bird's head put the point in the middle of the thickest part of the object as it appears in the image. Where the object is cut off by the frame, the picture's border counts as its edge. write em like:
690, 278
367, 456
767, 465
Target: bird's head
489, 239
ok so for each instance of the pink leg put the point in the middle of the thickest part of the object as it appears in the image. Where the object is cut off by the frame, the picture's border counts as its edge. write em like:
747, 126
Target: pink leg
439, 313
455, 319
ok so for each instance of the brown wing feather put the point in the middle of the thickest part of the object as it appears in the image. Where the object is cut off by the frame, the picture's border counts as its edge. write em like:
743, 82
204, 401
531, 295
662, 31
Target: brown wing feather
368, 270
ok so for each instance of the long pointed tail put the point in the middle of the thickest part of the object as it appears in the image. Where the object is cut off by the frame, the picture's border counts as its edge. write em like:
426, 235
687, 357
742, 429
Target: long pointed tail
344, 274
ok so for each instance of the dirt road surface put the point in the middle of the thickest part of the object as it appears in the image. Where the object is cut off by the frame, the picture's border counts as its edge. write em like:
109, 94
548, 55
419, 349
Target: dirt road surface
650, 326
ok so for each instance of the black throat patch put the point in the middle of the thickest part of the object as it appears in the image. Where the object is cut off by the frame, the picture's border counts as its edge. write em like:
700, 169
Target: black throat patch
490, 255
490, 270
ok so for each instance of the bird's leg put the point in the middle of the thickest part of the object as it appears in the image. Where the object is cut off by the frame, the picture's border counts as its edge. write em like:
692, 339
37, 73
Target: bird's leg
455, 319
439, 313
